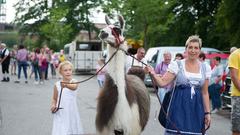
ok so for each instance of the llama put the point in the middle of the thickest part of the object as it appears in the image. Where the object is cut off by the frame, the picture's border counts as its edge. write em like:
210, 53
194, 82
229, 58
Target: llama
123, 103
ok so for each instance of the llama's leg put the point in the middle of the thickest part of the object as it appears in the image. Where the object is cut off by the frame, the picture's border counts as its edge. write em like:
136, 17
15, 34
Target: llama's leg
118, 132
142, 105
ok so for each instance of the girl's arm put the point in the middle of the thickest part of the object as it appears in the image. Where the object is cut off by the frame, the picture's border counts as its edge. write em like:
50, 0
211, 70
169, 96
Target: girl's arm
54, 99
72, 87
206, 103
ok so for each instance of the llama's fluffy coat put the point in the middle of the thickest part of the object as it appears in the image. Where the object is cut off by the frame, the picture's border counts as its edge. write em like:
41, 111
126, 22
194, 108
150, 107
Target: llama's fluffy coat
123, 102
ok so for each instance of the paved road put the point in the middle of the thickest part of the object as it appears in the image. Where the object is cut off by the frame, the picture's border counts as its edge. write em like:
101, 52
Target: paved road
24, 110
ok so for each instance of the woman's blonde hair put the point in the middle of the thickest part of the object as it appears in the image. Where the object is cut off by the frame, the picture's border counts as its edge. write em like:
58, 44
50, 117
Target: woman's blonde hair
63, 64
194, 38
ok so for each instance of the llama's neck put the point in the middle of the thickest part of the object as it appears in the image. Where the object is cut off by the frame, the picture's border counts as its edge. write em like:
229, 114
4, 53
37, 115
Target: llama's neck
116, 69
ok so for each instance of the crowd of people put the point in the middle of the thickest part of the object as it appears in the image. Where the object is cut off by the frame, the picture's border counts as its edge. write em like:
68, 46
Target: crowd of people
38, 63
194, 80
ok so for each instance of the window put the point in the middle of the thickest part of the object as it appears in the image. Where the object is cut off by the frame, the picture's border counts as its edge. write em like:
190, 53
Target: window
89, 46
66, 50
83, 46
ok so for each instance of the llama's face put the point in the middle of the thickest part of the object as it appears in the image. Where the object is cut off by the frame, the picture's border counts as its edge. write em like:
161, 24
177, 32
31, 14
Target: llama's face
112, 34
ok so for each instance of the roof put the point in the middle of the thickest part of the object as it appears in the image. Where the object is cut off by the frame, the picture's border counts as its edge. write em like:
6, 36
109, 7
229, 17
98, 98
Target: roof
213, 55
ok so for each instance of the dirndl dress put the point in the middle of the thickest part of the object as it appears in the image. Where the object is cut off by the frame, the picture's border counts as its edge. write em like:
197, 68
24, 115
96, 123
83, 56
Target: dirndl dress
186, 110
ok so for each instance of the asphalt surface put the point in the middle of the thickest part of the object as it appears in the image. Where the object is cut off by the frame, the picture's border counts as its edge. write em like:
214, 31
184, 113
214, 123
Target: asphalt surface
25, 109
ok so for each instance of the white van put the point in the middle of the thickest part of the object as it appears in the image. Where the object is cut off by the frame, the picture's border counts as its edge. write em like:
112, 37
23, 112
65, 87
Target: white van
83, 55
154, 56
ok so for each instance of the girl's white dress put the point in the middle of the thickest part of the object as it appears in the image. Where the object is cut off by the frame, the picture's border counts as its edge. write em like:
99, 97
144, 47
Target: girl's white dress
67, 121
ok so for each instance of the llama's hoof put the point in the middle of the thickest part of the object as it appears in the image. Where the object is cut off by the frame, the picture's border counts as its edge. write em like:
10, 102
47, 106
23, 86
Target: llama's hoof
118, 132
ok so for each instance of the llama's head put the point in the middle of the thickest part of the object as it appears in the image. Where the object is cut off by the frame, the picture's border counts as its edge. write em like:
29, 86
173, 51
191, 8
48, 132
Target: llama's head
113, 33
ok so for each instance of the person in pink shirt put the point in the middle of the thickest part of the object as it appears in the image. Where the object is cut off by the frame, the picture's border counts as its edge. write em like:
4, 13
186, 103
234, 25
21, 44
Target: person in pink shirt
43, 65
22, 56
53, 62
35, 56
101, 74
161, 69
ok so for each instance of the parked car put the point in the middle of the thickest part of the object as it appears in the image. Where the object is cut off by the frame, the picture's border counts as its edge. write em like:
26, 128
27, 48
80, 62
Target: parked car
226, 94
155, 55
223, 56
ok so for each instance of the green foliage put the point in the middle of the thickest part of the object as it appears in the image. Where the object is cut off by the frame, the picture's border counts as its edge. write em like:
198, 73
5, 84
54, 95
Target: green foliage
161, 23
57, 22
156, 22
228, 26
9, 38
56, 30
145, 19
30, 43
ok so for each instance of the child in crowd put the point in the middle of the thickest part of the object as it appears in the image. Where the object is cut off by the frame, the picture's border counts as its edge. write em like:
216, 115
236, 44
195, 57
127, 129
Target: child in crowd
66, 121
101, 74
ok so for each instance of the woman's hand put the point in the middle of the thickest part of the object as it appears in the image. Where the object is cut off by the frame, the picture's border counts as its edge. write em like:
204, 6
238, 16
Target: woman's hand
149, 69
207, 120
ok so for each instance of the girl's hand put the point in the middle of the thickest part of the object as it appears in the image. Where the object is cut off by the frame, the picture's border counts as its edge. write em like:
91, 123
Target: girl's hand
53, 108
63, 85
207, 120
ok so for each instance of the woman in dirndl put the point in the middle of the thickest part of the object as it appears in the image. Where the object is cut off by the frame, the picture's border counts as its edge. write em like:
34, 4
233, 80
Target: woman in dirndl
189, 110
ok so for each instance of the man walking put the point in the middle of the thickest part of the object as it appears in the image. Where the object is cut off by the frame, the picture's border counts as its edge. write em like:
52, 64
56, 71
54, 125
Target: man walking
5, 61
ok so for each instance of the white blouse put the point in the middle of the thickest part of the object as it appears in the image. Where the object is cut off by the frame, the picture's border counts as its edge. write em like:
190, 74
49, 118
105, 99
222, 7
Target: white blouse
173, 68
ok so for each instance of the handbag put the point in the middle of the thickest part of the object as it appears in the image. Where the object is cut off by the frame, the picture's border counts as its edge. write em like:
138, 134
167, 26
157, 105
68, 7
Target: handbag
163, 114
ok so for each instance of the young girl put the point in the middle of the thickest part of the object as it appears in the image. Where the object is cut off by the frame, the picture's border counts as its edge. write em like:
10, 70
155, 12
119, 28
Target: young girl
101, 74
66, 121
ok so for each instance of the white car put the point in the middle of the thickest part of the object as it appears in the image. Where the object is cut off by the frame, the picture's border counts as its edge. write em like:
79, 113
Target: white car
154, 56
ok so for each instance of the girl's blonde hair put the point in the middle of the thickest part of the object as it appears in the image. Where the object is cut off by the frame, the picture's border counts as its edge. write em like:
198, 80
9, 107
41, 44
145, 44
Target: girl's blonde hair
194, 38
63, 64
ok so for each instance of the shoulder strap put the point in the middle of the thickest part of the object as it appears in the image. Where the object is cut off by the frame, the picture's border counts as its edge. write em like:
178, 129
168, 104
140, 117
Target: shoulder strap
3, 53
161, 66
204, 69
174, 86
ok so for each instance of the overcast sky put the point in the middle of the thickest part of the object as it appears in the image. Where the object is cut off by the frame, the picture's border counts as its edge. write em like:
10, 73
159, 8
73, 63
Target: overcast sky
10, 11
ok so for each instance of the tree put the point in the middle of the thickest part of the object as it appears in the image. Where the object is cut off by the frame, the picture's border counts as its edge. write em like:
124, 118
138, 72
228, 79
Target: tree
56, 21
145, 19
56, 31
167, 22
227, 23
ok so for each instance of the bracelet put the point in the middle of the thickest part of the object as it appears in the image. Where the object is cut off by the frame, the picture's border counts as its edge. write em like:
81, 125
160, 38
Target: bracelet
206, 113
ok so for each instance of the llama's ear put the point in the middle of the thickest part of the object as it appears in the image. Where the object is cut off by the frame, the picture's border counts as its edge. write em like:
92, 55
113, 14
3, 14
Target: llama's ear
121, 20
107, 20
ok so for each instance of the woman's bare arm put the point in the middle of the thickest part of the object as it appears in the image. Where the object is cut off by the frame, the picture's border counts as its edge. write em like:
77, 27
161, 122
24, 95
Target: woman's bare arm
234, 77
161, 80
206, 105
